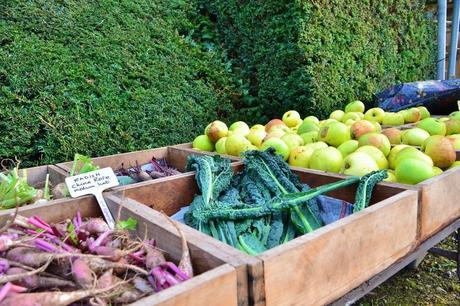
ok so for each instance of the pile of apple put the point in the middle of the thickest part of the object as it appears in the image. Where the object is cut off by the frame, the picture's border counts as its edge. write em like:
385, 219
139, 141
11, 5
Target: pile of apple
350, 142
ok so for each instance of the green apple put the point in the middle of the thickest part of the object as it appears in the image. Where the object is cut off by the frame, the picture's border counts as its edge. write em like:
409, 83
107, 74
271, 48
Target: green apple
412, 153
317, 145
379, 141
413, 171
280, 147
359, 164
203, 143
292, 140
220, 145
235, 144
348, 147
433, 126
291, 118
355, 106
376, 154
437, 171
375, 114
441, 151
455, 114
256, 136
275, 133
411, 115
306, 127
311, 119
216, 130
393, 135
424, 112
239, 127
326, 122
300, 156
350, 122
361, 127
310, 137
334, 133
455, 164
327, 159
391, 176
414, 136
378, 127
452, 126
337, 115
274, 123
455, 140
258, 127
394, 153
352, 115
393, 119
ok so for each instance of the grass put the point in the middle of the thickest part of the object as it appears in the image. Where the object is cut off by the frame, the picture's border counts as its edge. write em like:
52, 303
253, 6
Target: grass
434, 283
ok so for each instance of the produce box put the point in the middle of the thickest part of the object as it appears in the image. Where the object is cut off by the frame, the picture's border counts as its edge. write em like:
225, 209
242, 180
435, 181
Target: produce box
175, 157
36, 178
314, 269
439, 205
213, 277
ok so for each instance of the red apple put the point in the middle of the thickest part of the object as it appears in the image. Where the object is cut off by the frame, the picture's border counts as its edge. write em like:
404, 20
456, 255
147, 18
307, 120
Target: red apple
393, 134
361, 127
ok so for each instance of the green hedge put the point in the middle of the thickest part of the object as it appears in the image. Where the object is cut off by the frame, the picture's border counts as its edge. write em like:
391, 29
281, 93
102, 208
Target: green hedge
315, 56
100, 77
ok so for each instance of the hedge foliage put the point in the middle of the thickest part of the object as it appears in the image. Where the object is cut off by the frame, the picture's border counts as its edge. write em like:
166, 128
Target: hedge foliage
315, 56
101, 77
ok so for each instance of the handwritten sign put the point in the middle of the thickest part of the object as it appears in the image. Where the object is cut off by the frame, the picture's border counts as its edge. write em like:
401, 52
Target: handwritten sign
94, 182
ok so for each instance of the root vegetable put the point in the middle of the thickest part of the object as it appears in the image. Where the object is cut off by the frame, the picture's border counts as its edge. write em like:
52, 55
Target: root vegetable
185, 263
53, 298
28, 256
36, 281
82, 274
153, 258
60, 191
105, 280
142, 285
95, 226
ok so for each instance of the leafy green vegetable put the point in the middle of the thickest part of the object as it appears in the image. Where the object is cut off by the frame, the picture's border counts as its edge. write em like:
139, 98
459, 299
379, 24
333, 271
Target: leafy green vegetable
129, 224
263, 206
15, 190
86, 165
364, 191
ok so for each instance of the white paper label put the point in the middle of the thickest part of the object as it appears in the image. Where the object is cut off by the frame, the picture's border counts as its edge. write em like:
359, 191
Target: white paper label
94, 183
91, 182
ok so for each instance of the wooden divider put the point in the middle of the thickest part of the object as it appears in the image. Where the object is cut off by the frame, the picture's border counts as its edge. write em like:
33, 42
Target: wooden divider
314, 269
175, 157
214, 278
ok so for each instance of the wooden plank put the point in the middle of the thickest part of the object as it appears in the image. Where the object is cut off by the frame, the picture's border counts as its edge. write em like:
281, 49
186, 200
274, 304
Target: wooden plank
439, 202
203, 289
214, 277
319, 267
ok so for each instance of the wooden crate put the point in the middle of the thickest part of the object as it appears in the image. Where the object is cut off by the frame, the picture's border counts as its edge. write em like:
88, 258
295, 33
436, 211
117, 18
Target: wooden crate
316, 268
214, 278
187, 147
36, 177
175, 156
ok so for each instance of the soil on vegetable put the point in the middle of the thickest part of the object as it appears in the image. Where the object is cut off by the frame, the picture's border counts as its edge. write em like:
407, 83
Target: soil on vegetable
434, 283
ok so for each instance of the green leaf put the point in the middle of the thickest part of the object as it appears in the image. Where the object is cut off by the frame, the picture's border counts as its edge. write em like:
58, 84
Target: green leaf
129, 224
72, 234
